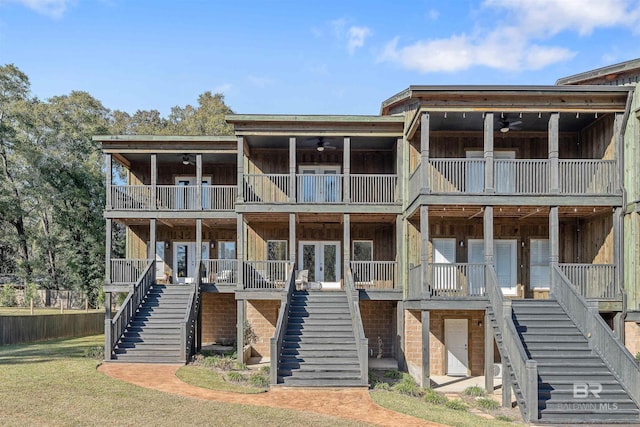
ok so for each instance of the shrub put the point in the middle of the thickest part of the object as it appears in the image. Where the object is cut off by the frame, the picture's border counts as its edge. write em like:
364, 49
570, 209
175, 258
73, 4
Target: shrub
259, 380
638, 356
456, 405
266, 369
474, 390
96, 352
236, 377
8, 296
31, 293
435, 397
408, 386
393, 374
240, 366
250, 336
219, 362
487, 403
382, 386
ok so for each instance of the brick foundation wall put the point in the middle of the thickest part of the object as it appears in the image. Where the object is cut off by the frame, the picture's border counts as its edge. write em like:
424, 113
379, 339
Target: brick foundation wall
218, 318
413, 343
632, 337
437, 351
262, 316
378, 319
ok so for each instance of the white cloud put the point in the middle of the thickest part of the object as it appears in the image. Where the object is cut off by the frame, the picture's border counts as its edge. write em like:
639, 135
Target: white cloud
516, 42
260, 82
223, 88
356, 37
52, 8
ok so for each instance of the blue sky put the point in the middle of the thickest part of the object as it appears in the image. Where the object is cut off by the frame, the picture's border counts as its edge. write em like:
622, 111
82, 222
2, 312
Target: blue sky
304, 57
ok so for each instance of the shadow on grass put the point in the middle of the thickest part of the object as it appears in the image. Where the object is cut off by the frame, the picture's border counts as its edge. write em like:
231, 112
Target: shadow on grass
46, 351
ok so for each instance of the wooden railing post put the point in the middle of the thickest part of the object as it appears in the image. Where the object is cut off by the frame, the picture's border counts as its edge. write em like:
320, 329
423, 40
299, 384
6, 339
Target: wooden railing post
531, 367
424, 152
154, 181
425, 285
554, 170
241, 171
109, 178
554, 243
346, 185
489, 184
292, 170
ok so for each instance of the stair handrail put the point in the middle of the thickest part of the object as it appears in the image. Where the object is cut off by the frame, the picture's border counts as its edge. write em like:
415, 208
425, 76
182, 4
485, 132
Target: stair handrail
524, 369
585, 315
362, 343
275, 343
186, 326
117, 325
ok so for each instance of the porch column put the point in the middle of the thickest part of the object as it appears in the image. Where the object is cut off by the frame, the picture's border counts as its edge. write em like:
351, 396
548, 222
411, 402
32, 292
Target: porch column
426, 362
346, 170
619, 150
107, 326
240, 250
292, 238
554, 242
489, 184
198, 240
109, 177
424, 152
618, 261
292, 169
400, 260
152, 239
107, 249
199, 181
488, 354
400, 333
400, 196
240, 166
425, 286
240, 319
488, 235
506, 378
154, 181
554, 163
346, 242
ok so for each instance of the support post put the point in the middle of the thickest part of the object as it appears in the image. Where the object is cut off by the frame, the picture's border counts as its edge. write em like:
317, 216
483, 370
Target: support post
400, 192
241, 317
531, 367
488, 235
618, 250
153, 233
489, 180
240, 166
425, 286
199, 181
108, 247
346, 170
347, 241
240, 250
400, 336
554, 162
292, 238
400, 263
108, 350
424, 152
109, 177
292, 170
506, 378
489, 357
619, 150
198, 240
554, 243
154, 181
426, 362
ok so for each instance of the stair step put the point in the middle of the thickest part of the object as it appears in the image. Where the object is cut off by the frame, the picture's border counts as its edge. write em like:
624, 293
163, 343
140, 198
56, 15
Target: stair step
149, 351
553, 378
290, 381
353, 374
287, 368
531, 336
311, 321
556, 345
572, 369
318, 360
317, 327
324, 353
326, 332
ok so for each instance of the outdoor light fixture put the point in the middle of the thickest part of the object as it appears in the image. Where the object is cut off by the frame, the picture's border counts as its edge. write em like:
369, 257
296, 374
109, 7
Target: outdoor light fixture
505, 127
320, 148
185, 160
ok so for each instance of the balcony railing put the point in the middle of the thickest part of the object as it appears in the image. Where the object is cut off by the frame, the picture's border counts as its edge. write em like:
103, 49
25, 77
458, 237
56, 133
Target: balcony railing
373, 189
266, 188
593, 281
319, 188
265, 274
579, 176
457, 280
128, 270
374, 274
521, 176
220, 271
173, 197
456, 175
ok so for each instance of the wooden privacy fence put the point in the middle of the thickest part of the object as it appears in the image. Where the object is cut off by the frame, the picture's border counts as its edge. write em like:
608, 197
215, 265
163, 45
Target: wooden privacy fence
24, 329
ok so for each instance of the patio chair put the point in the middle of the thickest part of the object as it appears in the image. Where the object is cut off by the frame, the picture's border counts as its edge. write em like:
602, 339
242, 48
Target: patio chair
302, 280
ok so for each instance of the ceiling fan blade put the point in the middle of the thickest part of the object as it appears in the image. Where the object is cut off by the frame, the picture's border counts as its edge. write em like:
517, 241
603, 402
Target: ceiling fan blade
329, 147
516, 123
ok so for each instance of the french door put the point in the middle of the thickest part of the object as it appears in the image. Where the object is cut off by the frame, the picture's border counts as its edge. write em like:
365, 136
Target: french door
186, 194
319, 184
184, 261
322, 260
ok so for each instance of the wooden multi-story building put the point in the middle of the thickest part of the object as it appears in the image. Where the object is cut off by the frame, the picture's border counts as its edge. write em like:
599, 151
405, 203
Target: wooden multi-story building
462, 230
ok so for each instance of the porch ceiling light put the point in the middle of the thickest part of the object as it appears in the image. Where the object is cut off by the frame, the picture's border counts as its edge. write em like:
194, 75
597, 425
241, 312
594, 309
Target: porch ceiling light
185, 160
504, 128
320, 147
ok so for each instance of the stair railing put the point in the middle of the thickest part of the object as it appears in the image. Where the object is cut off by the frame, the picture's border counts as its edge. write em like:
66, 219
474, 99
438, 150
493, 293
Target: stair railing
362, 343
524, 369
599, 335
275, 342
118, 324
187, 330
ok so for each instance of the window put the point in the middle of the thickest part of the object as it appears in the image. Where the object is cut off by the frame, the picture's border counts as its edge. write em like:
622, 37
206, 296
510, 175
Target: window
362, 250
540, 264
277, 250
226, 249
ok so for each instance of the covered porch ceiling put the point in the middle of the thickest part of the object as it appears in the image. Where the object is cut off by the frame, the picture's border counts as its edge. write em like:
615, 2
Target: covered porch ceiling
514, 212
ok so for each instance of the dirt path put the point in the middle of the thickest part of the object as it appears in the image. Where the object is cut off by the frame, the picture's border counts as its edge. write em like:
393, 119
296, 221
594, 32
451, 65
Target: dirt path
354, 404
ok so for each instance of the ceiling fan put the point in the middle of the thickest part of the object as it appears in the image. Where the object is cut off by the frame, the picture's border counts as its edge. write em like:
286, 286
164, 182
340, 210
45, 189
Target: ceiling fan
505, 125
321, 144
187, 160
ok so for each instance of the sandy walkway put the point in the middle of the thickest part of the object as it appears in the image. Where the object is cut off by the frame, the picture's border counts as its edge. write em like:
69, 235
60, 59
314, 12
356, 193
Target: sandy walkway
353, 403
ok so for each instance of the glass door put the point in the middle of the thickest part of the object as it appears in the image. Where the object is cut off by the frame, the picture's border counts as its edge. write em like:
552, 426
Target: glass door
322, 261
319, 184
185, 259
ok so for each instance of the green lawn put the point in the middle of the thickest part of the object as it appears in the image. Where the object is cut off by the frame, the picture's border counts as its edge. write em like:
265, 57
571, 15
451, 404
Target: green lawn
206, 378
52, 384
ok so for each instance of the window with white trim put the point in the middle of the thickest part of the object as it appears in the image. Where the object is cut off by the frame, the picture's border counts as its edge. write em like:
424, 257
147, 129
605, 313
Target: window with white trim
540, 271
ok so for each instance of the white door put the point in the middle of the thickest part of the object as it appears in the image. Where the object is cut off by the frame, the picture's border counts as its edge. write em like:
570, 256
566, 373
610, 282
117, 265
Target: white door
504, 257
504, 262
318, 185
322, 259
184, 261
186, 193
444, 276
456, 344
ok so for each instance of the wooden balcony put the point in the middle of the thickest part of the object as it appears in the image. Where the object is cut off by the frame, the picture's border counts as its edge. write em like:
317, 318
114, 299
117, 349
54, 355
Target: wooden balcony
447, 281
321, 188
220, 271
593, 281
173, 197
127, 271
374, 275
267, 275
